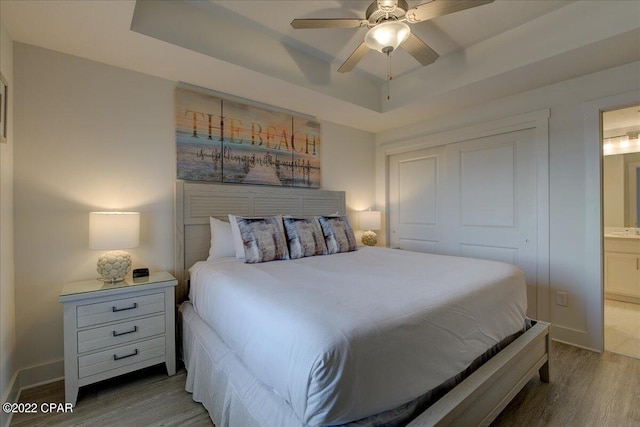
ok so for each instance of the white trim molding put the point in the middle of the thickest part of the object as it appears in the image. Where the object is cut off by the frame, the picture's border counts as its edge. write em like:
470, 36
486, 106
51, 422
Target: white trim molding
12, 394
593, 272
46, 373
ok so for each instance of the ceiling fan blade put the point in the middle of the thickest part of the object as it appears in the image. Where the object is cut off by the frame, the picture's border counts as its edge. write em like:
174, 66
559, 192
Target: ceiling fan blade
354, 58
436, 8
299, 24
419, 50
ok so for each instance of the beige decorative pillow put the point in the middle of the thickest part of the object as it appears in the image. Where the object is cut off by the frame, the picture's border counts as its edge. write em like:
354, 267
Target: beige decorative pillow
338, 234
304, 237
263, 239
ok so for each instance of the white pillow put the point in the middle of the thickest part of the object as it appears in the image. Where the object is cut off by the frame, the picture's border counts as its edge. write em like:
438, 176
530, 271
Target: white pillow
221, 239
236, 237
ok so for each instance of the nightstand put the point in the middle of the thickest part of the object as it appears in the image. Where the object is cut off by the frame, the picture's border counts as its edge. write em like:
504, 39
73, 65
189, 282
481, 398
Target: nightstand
112, 329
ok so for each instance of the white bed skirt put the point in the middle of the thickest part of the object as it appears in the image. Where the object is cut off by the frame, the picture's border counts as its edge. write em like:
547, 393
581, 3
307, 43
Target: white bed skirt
234, 397
222, 384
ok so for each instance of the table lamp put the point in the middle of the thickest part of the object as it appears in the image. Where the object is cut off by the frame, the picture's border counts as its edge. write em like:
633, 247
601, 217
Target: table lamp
114, 231
370, 220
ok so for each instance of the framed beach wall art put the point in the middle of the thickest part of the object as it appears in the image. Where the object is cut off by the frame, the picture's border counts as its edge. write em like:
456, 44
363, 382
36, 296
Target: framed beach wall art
257, 145
306, 152
198, 136
223, 140
4, 105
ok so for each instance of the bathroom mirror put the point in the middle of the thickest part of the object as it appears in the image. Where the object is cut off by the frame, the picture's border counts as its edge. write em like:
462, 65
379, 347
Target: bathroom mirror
632, 188
621, 186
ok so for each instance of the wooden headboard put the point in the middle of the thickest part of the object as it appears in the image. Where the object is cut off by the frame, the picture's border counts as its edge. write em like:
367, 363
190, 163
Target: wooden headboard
196, 202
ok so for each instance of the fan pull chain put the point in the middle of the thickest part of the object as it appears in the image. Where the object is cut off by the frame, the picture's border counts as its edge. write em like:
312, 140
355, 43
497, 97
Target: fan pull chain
389, 77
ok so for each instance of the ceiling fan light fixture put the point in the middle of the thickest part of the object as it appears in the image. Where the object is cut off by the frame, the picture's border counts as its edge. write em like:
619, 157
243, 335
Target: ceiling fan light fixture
387, 36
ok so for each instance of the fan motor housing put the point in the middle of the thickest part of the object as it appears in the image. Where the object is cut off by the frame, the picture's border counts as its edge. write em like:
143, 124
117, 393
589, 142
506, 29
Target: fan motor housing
376, 15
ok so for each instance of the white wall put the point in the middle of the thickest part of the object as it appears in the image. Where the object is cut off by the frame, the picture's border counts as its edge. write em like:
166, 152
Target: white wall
348, 159
91, 136
570, 194
8, 365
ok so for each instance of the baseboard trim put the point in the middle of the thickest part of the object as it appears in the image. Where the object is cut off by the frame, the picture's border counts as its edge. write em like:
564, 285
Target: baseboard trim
27, 378
12, 394
46, 373
574, 337
621, 297
576, 345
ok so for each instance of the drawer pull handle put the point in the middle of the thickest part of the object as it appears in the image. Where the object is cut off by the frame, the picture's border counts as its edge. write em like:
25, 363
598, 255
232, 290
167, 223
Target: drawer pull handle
117, 334
133, 307
135, 353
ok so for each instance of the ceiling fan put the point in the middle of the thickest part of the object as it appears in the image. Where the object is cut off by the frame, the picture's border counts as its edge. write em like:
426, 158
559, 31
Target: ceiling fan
387, 22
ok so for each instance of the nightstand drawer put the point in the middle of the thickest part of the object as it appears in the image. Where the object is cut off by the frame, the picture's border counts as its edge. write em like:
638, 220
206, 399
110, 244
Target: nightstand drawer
119, 309
119, 333
107, 360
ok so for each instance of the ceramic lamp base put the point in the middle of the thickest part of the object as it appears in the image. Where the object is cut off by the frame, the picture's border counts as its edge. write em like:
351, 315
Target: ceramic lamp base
369, 238
114, 265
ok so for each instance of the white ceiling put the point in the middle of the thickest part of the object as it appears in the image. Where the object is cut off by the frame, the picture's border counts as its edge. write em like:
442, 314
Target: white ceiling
445, 34
248, 49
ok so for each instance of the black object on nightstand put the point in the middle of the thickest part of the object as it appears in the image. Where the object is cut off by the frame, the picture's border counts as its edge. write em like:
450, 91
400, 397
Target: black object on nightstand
140, 272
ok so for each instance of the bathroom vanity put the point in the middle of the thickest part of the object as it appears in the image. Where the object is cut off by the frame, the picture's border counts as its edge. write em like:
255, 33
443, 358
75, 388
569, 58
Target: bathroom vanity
622, 265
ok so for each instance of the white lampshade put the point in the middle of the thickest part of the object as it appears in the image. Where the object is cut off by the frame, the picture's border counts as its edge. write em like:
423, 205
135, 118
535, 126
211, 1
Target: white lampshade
370, 220
114, 230
387, 35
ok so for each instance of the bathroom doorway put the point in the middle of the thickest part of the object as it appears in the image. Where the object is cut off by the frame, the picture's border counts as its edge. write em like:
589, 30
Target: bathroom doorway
621, 215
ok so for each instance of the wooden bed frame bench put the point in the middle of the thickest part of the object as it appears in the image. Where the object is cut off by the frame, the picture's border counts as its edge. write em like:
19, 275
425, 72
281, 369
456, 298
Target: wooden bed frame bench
480, 398
476, 401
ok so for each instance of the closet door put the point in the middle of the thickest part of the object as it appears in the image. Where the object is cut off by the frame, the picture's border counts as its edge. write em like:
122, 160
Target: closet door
475, 198
416, 189
493, 203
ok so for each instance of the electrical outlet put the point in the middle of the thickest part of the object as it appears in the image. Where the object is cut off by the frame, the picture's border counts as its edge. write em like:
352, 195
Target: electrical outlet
562, 298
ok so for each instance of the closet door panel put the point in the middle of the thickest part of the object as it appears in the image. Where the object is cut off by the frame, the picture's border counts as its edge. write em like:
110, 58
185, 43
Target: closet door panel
416, 197
475, 198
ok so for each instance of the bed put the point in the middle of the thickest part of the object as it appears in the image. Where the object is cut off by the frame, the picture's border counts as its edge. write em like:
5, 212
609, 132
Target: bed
354, 360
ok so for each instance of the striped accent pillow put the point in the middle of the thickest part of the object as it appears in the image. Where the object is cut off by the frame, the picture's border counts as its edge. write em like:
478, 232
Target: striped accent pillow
263, 239
304, 237
338, 234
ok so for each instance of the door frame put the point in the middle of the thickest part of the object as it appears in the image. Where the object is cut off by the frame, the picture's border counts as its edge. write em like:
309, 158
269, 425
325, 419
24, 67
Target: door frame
537, 120
594, 219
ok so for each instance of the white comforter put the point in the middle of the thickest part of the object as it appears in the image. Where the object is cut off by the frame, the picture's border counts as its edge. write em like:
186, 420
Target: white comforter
344, 336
